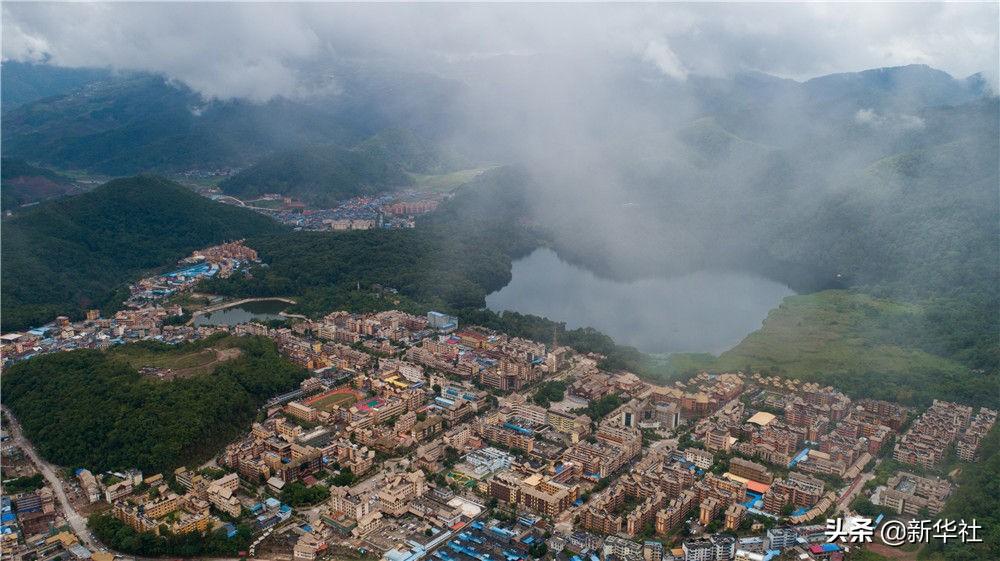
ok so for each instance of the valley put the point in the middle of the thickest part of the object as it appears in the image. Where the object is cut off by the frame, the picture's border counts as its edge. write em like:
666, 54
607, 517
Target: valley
513, 283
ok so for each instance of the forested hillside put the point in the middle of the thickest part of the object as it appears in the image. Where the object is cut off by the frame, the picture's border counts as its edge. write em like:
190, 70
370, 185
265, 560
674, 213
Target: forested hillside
321, 175
92, 409
65, 256
136, 123
22, 183
456, 257
23, 82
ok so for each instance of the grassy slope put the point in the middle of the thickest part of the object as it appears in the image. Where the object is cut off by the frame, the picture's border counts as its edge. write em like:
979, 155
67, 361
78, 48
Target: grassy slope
833, 331
860, 344
139, 356
447, 181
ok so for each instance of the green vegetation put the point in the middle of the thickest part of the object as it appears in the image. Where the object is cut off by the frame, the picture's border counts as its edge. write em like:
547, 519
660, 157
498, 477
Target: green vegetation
345, 477
549, 392
296, 494
24, 484
452, 261
977, 497
118, 536
62, 257
867, 346
459, 254
405, 149
600, 408
22, 183
92, 409
328, 403
321, 175
199, 359
23, 82
863, 506
446, 181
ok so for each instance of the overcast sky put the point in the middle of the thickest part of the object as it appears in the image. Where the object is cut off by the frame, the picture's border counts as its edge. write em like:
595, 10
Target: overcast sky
258, 51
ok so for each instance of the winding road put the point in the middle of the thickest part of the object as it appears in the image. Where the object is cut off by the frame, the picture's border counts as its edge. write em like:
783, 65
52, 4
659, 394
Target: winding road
76, 521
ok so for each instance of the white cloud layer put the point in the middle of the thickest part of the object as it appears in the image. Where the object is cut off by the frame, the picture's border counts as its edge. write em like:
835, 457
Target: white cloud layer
258, 51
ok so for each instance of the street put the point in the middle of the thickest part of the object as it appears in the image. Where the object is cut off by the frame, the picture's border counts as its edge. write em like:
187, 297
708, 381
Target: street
77, 522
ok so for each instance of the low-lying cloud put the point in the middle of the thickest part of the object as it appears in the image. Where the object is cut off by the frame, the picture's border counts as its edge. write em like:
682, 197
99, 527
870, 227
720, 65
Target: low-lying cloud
259, 51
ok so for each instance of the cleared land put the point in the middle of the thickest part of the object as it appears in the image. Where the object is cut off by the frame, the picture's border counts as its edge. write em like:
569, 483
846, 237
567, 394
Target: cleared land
189, 301
267, 203
447, 181
181, 364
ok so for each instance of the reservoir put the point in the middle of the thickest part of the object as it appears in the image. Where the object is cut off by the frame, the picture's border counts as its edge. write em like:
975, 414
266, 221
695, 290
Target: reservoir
705, 311
262, 310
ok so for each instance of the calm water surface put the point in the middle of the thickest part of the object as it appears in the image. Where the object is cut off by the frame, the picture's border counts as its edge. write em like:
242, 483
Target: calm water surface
707, 311
251, 311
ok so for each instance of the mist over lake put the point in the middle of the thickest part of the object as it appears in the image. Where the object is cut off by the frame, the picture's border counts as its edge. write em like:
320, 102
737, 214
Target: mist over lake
705, 311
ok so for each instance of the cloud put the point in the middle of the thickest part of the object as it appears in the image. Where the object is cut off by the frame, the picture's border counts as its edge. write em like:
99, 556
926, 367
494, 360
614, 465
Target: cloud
896, 121
666, 60
258, 51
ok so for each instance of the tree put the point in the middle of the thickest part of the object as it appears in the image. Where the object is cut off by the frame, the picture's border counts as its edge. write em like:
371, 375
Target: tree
63, 402
343, 478
863, 506
297, 494
538, 550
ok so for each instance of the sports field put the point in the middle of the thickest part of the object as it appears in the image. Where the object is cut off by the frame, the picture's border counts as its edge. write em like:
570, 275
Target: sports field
328, 401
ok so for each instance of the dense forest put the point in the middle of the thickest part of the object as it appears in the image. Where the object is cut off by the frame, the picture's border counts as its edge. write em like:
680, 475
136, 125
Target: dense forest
120, 537
453, 260
132, 122
22, 183
93, 409
321, 175
64, 256
977, 498
23, 82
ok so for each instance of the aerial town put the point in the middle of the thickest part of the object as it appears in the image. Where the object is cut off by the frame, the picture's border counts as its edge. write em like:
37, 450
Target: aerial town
417, 438
391, 210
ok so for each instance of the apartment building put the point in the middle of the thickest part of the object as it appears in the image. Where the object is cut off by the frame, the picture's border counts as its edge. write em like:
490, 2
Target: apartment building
907, 493
535, 492
750, 470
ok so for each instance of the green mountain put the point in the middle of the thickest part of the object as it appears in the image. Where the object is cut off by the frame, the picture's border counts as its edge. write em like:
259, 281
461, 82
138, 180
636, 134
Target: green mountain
137, 123
93, 409
23, 82
318, 174
22, 183
405, 149
67, 255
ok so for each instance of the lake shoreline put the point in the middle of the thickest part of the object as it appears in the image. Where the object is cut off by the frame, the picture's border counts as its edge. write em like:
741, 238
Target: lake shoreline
706, 311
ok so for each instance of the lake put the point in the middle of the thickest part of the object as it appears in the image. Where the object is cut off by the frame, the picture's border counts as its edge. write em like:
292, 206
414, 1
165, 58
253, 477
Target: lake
705, 311
262, 310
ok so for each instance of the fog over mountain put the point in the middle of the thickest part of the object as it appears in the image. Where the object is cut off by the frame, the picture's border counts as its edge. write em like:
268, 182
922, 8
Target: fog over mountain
824, 145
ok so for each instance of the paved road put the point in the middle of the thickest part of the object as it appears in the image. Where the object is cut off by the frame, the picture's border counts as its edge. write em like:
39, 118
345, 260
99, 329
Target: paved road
844, 502
77, 522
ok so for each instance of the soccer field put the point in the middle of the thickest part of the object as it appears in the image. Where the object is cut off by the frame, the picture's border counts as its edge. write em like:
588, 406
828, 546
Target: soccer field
328, 402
